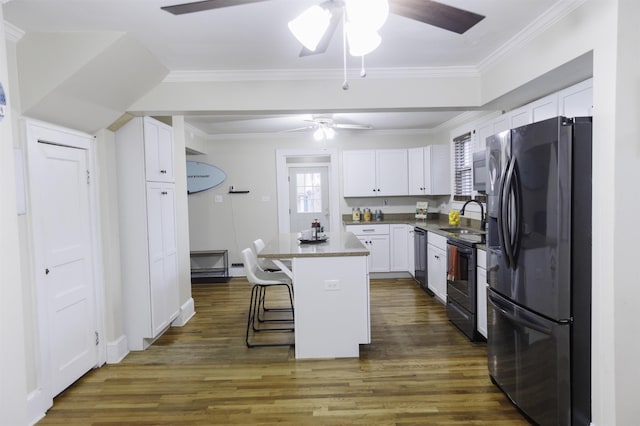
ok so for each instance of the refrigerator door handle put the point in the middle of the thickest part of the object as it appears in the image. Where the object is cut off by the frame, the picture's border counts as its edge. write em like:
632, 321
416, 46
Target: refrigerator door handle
528, 322
505, 214
517, 198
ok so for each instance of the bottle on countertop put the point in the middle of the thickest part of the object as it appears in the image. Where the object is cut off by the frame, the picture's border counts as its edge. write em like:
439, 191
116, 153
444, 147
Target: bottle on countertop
355, 215
378, 215
367, 215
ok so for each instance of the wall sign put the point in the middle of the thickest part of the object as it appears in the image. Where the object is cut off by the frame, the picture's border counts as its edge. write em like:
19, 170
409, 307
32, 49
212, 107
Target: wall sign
203, 176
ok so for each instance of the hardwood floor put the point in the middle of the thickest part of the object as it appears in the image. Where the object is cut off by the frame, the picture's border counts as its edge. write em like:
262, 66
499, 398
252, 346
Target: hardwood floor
418, 370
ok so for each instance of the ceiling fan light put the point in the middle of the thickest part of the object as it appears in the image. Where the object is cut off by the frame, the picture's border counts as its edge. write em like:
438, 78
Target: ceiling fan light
330, 133
362, 40
371, 13
318, 135
310, 26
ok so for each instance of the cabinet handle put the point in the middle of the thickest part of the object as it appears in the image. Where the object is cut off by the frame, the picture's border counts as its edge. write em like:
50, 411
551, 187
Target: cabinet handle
368, 230
163, 171
164, 192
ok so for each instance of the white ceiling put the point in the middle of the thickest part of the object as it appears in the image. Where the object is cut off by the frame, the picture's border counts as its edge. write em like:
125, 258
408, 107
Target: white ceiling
254, 38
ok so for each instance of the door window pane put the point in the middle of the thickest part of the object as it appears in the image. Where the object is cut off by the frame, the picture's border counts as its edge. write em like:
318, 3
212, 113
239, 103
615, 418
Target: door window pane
308, 193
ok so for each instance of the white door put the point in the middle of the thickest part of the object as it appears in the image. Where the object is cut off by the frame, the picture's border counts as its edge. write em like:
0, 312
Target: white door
61, 206
309, 197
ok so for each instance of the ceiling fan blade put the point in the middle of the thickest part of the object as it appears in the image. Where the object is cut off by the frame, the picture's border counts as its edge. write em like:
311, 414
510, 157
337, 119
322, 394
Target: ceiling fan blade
299, 129
199, 6
437, 14
353, 126
336, 17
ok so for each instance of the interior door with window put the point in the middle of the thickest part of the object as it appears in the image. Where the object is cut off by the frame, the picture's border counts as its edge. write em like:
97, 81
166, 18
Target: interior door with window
309, 197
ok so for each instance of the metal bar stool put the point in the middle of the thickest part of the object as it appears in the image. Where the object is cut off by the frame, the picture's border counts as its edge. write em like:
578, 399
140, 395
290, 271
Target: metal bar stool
261, 282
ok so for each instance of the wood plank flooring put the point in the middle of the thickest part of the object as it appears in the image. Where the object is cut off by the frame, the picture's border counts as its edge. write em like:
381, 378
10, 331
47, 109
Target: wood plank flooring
418, 370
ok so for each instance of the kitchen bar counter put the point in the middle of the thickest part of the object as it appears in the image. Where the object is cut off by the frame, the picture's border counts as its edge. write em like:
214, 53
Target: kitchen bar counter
287, 246
331, 293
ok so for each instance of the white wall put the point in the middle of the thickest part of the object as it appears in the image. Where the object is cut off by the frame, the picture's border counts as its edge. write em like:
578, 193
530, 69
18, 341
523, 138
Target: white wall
250, 163
13, 389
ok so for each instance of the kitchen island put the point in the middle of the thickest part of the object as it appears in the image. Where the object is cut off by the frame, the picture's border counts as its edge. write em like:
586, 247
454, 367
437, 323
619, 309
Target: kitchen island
331, 293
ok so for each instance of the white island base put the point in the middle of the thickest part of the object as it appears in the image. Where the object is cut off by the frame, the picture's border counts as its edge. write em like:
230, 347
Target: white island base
331, 293
331, 299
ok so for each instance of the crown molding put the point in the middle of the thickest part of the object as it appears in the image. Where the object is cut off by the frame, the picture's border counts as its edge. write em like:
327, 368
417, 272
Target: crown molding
317, 74
12, 33
549, 18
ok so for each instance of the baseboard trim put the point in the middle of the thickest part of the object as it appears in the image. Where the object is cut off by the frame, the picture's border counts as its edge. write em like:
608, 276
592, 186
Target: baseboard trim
37, 406
117, 350
187, 311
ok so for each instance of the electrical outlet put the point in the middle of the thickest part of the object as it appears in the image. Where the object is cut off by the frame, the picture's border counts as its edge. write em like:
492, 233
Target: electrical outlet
332, 285
217, 199
385, 202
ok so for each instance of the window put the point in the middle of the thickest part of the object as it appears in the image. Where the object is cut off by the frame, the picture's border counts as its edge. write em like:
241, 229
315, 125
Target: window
308, 193
462, 165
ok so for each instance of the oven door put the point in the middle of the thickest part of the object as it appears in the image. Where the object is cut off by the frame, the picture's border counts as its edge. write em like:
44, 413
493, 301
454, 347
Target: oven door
461, 275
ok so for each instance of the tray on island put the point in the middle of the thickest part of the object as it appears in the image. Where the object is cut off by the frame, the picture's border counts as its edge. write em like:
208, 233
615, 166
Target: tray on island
314, 241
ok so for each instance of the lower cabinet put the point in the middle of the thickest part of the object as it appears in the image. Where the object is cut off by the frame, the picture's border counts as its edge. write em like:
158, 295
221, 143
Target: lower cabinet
481, 292
399, 248
411, 261
437, 265
376, 239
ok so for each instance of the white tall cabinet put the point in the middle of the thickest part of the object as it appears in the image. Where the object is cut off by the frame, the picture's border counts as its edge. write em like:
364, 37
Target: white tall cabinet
148, 241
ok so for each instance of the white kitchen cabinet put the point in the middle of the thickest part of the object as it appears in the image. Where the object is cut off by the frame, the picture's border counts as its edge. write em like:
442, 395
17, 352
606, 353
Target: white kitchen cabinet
398, 248
429, 170
437, 265
375, 238
481, 292
368, 173
489, 128
148, 238
577, 100
411, 261
158, 149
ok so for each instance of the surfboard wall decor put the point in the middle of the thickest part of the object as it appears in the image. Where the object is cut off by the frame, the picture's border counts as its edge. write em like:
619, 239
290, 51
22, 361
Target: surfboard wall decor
203, 176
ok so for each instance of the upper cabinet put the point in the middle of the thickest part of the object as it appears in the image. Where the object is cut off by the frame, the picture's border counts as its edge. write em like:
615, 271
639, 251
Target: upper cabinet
574, 101
368, 173
577, 100
429, 170
158, 149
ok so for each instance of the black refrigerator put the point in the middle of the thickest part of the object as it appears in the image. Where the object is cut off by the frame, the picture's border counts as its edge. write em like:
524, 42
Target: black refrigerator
539, 268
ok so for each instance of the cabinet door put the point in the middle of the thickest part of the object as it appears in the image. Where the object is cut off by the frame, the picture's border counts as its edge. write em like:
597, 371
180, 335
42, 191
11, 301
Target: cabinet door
544, 108
359, 173
481, 294
416, 171
163, 277
411, 263
391, 171
438, 174
577, 100
379, 248
399, 248
158, 147
436, 272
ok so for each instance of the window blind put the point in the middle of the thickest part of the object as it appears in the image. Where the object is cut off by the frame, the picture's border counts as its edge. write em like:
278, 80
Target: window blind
462, 164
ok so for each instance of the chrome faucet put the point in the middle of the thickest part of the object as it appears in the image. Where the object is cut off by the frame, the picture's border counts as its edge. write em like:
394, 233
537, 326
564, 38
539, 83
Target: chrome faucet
483, 222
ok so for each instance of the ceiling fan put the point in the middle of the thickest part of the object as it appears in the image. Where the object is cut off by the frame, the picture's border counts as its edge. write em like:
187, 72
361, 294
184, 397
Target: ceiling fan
427, 11
324, 127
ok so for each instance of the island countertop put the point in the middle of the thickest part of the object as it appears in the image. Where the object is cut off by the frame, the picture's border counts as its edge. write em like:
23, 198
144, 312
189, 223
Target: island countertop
338, 244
